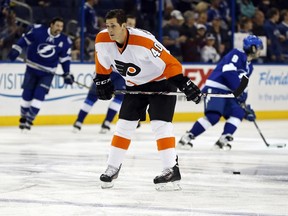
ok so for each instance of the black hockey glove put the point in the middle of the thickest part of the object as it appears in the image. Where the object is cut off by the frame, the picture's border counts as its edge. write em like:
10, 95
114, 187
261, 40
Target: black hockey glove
185, 85
191, 91
68, 79
104, 87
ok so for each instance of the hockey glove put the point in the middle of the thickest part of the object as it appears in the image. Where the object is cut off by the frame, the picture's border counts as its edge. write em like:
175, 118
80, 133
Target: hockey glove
242, 98
104, 87
68, 79
185, 85
249, 113
13, 54
191, 91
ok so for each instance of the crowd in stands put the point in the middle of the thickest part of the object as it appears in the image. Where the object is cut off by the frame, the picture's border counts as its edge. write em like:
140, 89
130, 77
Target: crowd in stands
192, 30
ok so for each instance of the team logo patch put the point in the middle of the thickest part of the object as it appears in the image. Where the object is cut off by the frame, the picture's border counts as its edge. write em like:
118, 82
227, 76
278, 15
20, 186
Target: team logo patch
46, 50
127, 68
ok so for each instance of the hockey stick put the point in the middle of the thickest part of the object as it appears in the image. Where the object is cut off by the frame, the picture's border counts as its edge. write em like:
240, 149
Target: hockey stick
49, 71
236, 93
280, 145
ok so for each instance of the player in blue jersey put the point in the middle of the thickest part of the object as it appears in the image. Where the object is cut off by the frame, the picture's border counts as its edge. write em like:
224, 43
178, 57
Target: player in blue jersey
45, 47
225, 78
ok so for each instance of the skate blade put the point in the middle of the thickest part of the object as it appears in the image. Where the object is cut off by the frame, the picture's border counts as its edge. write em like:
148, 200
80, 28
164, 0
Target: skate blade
75, 130
227, 147
24, 131
169, 186
103, 131
107, 185
224, 148
184, 147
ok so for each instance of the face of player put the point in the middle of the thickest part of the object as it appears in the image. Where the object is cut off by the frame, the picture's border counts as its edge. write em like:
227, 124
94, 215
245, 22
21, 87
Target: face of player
56, 28
116, 31
131, 22
257, 54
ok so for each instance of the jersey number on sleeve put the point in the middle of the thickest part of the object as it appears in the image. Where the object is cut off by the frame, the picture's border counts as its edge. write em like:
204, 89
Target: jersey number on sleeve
156, 50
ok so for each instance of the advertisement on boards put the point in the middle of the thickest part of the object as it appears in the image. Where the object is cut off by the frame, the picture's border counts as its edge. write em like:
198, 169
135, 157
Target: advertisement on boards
268, 89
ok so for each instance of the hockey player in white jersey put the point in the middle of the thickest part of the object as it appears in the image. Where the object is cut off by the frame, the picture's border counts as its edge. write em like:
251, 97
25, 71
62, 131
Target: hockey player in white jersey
146, 65
225, 78
46, 47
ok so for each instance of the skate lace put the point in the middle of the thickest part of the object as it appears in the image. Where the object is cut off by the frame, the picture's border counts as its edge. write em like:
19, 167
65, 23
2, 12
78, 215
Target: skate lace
110, 171
167, 171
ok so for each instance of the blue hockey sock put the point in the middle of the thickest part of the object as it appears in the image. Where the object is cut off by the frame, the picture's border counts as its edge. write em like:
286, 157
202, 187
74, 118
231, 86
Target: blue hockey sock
81, 116
110, 115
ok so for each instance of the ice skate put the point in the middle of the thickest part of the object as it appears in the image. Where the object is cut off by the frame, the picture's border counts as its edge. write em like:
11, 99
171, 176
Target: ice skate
185, 141
77, 127
25, 125
22, 124
169, 179
223, 144
104, 128
110, 174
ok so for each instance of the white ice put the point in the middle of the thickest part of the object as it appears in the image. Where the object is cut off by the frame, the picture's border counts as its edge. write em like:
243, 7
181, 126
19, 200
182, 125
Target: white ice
51, 171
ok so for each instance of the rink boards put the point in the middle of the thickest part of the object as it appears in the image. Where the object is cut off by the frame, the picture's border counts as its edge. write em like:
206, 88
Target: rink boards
268, 94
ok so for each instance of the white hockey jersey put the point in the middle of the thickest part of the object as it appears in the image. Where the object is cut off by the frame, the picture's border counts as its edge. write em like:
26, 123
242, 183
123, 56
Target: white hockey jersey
142, 59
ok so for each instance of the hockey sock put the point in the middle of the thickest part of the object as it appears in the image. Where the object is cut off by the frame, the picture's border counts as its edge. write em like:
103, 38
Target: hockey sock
231, 125
34, 109
24, 108
84, 111
113, 108
200, 126
168, 157
110, 115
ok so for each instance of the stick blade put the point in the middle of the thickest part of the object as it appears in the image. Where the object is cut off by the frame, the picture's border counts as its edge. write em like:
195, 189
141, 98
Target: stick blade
243, 84
278, 145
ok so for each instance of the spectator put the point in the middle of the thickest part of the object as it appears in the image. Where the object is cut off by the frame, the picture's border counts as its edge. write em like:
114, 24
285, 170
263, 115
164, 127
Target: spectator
4, 11
131, 21
171, 34
189, 30
202, 18
274, 36
197, 43
91, 22
75, 53
245, 25
266, 5
283, 28
9, 33
208, 52
258, 23
213, 9
222, 39
146, 15
247, 8
224, 9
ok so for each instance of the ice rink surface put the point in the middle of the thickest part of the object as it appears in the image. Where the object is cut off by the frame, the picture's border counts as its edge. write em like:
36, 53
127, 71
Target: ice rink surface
52, 171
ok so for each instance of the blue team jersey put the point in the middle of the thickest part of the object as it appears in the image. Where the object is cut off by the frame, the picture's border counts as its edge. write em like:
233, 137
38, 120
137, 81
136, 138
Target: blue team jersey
46, 50
225, 78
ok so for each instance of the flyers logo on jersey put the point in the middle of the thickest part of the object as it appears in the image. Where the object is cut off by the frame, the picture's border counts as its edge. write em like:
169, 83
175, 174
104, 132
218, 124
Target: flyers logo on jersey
127, 68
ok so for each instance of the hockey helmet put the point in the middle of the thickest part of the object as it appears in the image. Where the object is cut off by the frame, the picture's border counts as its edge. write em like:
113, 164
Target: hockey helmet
252, 41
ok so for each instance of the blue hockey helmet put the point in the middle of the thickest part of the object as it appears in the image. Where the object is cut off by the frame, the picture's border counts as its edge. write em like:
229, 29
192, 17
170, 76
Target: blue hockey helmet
252, 41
